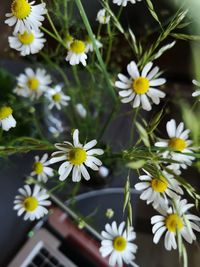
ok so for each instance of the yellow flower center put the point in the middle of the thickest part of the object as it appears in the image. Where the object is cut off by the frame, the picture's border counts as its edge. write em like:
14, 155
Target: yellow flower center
5, 112
140, 85
26, 38
38, 167
159, 185
33, 84
119, 243
20, 9
56, 97
77, 47
177, 144
173, 222
30, 204
77, 156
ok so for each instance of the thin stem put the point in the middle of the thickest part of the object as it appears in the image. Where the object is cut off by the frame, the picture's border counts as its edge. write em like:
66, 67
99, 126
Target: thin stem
98, 54
110, 117
133, 124
111, 34
76, 77
53, 26
50, 33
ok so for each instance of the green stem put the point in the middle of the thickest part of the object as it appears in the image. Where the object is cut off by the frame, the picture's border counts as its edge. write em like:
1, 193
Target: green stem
49, 33
111, 34
98, 54
109, 119
133, 124
38, 128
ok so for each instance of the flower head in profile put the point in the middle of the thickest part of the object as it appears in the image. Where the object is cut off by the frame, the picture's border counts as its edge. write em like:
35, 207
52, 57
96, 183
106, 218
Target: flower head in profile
57, 98
197, 92
89, 44
156, 190
117, 242
177, 145
76, 158
175, 219
124, 2
77, 53
35, 83
32, 202
40, 168
103, 17
7, 120
27, 42
138, 88
25, 16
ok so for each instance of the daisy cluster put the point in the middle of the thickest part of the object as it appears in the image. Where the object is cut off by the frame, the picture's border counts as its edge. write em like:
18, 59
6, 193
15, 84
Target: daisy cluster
77, 158
26, 18
141, 87
164, 192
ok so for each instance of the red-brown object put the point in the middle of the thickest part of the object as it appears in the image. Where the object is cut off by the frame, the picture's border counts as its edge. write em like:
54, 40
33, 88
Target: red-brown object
83, 242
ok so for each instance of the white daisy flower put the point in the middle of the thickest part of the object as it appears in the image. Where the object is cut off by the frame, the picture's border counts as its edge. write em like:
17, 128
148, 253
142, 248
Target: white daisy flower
140, 87
28, 42
178, 144
103, 17
82, 112
7, 120
155, 190
25, 16
57, 98
89, 44
124, 2
36, 83
77, 53
173, 220
76, 156
41, 169
197, 92
32, 202
117, 242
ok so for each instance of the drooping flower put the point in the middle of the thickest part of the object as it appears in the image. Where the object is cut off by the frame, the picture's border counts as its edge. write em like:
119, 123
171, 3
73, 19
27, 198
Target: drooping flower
89, 44
77, 53
156, 190
76, 157
177, 145
7, 120
103, 17
27, 42
35, 83
41, 169
197, 92
139, 87
124, 2
117, 242
25, 16
173, 220
32, 202
57, 98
